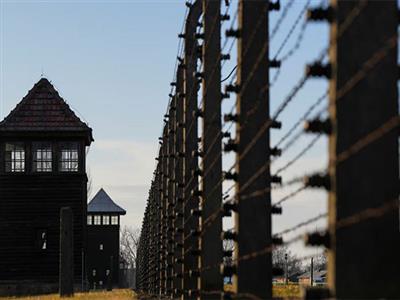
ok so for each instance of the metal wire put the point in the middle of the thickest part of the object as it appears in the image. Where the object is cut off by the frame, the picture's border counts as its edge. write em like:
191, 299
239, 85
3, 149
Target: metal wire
302, 224
373, 136
290, 138
282, 17
364, 215
290, 196
291, 30
299, 155
368, 65
214, 68
300, 121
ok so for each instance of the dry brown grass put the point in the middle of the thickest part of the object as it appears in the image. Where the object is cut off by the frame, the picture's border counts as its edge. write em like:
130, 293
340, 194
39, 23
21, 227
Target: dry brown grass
286, 291
279, 291
228, 288
119, 294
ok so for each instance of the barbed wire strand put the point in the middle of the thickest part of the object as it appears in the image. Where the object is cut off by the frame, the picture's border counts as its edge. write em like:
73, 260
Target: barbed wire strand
344, 26
367, 66
361, 216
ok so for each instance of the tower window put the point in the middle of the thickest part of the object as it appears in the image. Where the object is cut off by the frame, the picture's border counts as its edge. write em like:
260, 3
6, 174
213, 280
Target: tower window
89, 220
114, 220
41, 239
15, 157
106, 220
42, 157
69, 157
97, 220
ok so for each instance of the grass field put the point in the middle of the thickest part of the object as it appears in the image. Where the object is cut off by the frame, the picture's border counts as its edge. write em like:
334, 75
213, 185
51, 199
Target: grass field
291, 291
114, 295
284, 291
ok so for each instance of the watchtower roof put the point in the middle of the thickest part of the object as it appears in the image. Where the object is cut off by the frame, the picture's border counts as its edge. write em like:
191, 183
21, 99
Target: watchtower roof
102, 203
43, 110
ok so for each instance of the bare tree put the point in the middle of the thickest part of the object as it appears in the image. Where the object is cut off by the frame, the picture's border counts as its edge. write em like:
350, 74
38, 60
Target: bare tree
228, 245
294, 265
129, 240
320, 262
89, 187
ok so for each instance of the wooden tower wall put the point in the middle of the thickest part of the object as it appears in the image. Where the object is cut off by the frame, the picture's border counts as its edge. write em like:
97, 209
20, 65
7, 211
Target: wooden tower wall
30, 202
108, 235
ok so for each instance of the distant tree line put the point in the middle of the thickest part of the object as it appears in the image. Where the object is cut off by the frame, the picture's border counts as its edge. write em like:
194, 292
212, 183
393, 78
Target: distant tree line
294, 264
129, 240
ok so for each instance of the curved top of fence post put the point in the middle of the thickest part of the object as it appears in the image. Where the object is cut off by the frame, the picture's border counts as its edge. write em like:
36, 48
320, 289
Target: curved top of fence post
193, 17
194, 12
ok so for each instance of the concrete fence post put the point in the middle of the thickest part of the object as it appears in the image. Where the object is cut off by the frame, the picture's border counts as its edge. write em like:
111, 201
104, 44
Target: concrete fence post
363, 259
253, 217
66, 283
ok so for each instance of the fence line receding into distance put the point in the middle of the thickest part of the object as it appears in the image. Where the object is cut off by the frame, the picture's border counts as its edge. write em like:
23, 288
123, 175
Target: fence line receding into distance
226, 156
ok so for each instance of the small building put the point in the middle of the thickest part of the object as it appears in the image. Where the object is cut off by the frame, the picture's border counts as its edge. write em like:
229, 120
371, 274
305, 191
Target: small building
103, 220
127, 275
42, 169
292, 278
319, 278
278, 280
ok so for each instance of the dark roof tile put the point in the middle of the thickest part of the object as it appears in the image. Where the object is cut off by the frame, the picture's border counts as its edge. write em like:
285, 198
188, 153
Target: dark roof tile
102, 203
42, 109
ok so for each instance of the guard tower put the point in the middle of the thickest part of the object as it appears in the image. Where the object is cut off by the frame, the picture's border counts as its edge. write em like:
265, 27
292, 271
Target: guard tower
103, 219
42, 169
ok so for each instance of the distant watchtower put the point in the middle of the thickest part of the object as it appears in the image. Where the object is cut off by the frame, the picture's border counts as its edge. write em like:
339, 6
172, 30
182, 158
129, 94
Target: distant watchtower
42, 169
103, 240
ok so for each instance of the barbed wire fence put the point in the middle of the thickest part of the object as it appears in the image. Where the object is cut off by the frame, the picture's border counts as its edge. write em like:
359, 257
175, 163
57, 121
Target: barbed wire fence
228, 168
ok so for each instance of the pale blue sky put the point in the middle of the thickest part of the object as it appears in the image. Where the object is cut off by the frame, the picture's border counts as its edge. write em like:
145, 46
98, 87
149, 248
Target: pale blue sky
112, 61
